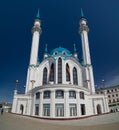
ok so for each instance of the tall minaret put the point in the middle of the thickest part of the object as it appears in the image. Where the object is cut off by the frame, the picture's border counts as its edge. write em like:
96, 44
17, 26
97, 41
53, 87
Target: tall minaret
83, 30
36, 31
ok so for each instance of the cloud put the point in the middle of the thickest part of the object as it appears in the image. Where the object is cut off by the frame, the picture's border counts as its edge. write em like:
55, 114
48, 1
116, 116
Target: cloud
113, 80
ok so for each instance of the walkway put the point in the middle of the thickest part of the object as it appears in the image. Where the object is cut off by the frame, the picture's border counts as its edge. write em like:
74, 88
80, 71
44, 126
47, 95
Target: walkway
16, 122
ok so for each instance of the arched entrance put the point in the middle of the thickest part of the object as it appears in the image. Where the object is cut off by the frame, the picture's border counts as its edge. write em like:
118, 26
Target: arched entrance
21, 108
99, 109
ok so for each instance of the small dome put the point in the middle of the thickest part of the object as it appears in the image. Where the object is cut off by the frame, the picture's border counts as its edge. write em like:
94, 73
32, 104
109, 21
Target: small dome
60, 50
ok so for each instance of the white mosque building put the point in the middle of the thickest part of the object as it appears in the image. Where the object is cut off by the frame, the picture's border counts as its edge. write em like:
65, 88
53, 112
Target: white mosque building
60, 87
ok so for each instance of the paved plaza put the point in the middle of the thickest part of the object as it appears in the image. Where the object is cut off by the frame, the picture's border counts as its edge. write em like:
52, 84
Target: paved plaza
17, 122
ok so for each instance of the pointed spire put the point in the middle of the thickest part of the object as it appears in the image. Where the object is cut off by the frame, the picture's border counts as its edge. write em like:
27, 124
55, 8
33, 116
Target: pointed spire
38, 14
82, 14
74, 47
46, 49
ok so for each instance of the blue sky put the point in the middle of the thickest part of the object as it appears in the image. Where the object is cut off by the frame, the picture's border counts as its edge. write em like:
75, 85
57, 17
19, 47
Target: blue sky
60, 21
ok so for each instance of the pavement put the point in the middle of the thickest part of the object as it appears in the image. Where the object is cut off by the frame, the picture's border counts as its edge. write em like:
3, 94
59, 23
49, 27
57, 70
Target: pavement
17, 122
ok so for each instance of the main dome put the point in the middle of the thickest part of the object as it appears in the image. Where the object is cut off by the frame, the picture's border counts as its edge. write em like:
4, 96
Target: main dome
60, 50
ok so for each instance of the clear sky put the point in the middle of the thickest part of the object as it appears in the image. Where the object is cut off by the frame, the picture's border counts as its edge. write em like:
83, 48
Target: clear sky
60, 21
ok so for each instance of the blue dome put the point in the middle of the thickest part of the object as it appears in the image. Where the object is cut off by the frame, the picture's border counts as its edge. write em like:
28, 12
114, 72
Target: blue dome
60, 50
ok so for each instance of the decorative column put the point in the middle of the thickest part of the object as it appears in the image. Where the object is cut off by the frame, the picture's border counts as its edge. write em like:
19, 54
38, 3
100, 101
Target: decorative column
66, 104
78, 103
52, 104
41, 104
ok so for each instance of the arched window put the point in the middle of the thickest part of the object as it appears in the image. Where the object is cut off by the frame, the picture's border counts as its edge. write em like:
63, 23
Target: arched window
22, 108
59, 94
75, 78
59, 70
67, 73
51, 73
46, 94
81, 95
37, 95
99, 109
72, 94
45, 76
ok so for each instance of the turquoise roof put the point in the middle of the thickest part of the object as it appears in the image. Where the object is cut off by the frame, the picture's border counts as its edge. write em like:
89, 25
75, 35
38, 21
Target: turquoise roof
60, 50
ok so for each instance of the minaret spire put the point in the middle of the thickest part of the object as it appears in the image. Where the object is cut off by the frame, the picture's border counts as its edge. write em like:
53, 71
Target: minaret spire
82, 14
36, 31
38, 14
74, 48
46, 48
83, 31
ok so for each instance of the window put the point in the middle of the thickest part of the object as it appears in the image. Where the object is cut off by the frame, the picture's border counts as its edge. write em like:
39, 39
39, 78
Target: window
75, 79
83, 111
67, 73
36, 109
113, 100
51, 73
73, 109
101, 92
59, 94
37, 95
115, 89
59, 110
109, 101
108, 91
108, 96
116, 95
45, 76
81, 95
72, 94
59, 70
46, 109
112, 90
46, 94
112, 95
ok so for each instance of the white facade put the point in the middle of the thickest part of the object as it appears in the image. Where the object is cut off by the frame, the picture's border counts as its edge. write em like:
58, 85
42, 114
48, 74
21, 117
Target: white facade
60, 86
113, 96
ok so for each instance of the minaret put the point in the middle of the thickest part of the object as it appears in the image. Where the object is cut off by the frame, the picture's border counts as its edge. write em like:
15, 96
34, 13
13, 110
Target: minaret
36, 31
83, 31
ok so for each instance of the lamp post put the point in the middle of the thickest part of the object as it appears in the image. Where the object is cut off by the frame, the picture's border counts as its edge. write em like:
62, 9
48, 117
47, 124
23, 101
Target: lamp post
103, 83
16, 87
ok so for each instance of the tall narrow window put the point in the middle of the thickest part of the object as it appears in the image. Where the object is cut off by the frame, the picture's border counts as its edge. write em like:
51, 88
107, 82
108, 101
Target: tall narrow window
37, 95
45, 76
75, 78
83, 111
51, 73
81, 95
59, 70
67, 73
59, 110
46, 109
73, 109
36, 109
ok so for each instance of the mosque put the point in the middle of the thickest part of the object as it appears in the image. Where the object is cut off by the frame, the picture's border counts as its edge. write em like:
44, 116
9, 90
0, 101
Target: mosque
60, 87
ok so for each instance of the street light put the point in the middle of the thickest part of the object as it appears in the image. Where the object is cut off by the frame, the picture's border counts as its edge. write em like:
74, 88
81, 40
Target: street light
16, 84
103, 83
